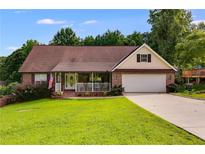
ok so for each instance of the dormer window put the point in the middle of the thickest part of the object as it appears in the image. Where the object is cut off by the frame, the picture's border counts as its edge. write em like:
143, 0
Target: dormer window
143, 58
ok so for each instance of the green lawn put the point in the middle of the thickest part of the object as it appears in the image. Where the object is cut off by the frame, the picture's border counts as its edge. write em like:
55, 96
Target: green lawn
192, 95
93, 121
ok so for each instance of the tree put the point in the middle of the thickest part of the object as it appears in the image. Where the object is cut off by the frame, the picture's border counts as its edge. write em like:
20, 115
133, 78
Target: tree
66, 36
14, 61
191, 51
135, 38
2, 60
199, 26
147, 38
168, 28
88, 40
110, 38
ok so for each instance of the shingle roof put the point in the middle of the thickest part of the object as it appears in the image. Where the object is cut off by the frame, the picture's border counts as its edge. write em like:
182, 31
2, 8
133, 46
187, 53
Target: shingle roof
74, 58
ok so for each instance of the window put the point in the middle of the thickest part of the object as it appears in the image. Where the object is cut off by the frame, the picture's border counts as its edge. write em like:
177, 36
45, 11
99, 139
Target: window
144, 58
40, 78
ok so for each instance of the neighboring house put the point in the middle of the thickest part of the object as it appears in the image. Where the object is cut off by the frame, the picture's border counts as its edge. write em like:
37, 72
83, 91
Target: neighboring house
98, 68
196, 75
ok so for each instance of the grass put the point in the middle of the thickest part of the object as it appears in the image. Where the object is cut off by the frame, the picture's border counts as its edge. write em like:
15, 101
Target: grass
192, 95
93, 121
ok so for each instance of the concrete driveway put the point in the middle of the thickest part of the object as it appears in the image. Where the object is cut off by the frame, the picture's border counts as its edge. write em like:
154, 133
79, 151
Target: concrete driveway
186, 113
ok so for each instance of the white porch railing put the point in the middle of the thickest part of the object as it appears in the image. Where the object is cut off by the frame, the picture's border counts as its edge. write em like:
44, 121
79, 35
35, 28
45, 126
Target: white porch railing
92, 87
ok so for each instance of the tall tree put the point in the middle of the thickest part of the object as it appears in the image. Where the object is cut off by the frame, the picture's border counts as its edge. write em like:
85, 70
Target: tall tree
135, 38
88, 40
13, 62
66, 36
168, 28
110, 38
199, 26
2, 60
147, 38
191, 51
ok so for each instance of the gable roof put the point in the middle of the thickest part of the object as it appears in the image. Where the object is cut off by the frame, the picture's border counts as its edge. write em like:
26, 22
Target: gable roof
138, 49
74, 58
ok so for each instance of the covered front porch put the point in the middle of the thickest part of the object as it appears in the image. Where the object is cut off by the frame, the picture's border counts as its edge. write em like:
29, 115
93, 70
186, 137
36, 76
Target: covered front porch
82, 81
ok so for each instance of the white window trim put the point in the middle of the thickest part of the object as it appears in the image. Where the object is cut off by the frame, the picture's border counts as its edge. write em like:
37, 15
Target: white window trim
40, 77
141, 57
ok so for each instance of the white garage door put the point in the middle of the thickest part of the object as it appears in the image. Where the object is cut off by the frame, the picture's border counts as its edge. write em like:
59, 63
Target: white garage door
144, 82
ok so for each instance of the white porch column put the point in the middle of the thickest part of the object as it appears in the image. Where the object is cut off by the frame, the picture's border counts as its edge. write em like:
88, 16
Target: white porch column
55, 82
92, 83
58, 82
110, 81
76, 81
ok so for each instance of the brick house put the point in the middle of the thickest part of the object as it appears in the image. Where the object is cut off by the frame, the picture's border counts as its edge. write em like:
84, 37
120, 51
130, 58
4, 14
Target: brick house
97, 68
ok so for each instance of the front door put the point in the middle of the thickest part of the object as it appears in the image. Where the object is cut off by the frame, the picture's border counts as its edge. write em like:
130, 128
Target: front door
70, 81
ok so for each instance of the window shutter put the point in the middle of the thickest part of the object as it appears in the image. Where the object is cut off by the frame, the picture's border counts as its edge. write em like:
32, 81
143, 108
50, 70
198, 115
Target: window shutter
138, 58
149, 58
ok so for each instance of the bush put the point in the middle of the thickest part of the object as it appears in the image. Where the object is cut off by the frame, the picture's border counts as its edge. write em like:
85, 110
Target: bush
198, 87
116, 91
9, 89
178, 88
32, 92
181, 88
172, 87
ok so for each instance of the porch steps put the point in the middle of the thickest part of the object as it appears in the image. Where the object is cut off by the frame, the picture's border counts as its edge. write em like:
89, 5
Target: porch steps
68, 93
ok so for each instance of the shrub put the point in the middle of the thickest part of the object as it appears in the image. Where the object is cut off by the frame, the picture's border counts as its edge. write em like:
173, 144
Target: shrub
3, 90
9, 89
192, 88
198, 87
172, 87
177, 88
181, 88
116, 91
31, 92
187, 92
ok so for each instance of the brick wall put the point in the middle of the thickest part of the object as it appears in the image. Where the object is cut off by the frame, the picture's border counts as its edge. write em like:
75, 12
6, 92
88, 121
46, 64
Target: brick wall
27, 78
170, 78
116, 78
